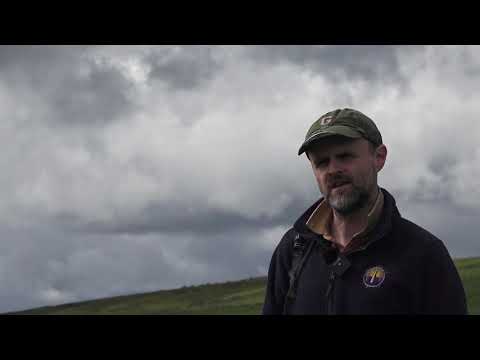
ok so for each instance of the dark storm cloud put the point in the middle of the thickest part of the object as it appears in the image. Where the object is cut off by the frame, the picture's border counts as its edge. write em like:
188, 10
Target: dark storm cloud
48, 266
441, 163
75, 89
456, 226
177, 219
375, 64
29, 57
183, 68
99, 98
233, 255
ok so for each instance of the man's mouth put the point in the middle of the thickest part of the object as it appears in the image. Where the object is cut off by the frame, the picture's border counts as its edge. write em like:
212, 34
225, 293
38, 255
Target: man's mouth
339, 184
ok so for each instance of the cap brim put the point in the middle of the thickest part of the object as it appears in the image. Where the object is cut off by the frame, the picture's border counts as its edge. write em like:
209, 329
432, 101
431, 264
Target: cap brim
330, 131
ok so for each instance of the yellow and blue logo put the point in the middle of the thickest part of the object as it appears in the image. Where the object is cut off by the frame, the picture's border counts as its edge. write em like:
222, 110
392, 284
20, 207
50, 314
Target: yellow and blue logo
374, 277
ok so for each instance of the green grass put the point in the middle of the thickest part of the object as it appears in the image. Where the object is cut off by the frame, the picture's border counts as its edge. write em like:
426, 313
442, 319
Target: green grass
243, 297
469, 270
232, 298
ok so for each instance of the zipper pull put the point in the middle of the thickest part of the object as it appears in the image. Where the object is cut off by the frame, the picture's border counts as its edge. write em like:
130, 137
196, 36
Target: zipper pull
330, 284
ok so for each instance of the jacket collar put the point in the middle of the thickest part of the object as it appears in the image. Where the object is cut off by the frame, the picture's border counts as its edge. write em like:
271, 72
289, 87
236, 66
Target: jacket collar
321, 218
389, 214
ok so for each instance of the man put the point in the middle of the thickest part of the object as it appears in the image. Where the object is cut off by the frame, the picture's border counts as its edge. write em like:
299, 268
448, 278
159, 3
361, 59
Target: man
351, 252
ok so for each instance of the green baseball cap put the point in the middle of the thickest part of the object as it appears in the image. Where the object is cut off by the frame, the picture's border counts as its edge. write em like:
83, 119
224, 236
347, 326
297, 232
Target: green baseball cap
345, 122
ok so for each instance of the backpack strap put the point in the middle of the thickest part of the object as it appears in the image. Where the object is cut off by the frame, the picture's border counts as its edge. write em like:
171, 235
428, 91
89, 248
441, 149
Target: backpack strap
301, 251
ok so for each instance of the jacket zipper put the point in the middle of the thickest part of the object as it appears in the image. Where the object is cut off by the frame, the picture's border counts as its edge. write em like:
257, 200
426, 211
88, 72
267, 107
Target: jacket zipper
331, 285
330, 294
331, 281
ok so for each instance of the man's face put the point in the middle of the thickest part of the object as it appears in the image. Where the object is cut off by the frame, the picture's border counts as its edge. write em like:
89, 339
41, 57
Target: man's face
346, 171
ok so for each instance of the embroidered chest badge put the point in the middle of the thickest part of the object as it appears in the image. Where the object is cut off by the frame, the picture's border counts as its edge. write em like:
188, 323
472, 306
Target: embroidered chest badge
374, 276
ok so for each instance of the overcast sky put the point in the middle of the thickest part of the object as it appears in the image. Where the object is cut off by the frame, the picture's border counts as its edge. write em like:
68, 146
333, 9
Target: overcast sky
128, 169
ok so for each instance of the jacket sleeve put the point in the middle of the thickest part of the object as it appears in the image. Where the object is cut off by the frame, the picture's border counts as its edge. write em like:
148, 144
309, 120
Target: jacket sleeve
443, 290
278, 281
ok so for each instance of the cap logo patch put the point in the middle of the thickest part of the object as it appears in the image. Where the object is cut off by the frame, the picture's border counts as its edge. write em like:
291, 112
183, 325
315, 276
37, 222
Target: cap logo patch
374, 277
326, 120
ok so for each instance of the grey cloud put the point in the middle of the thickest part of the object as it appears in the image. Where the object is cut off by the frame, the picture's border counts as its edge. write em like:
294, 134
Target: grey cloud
49, 266
176, 219
460, 69
99, 98
456, 226
375, 64
233, 254
442, 162
183, 68
74, 89
152, 202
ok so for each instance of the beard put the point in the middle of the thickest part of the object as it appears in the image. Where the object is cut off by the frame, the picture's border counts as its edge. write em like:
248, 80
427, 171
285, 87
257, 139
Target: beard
351, 197
348, 200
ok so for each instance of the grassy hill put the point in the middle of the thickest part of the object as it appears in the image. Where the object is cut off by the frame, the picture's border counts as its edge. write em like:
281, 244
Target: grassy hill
232, 298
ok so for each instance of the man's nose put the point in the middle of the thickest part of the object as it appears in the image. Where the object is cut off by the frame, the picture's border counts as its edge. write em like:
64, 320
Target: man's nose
334, 166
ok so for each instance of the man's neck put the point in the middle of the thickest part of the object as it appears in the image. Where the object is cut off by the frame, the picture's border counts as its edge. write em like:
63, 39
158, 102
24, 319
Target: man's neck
344, 227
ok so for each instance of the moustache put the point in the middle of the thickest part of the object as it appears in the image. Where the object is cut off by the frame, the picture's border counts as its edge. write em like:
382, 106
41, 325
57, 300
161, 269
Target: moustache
336, 181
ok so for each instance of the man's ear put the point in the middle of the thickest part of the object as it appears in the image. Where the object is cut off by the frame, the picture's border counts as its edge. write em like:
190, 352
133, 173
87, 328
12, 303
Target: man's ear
380, 157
